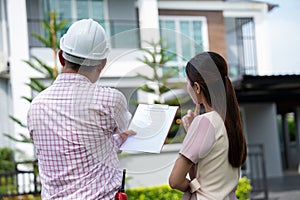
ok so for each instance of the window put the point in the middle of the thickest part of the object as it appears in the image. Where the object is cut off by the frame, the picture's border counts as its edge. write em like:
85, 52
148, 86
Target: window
76, 9
185, 36
123, 32
73, 10
241, 49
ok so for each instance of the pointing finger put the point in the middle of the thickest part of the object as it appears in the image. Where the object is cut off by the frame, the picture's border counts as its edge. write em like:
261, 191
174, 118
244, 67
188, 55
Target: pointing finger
190, 113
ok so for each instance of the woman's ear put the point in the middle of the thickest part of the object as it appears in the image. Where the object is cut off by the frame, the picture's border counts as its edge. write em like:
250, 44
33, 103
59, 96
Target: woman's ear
61, 58
197, 88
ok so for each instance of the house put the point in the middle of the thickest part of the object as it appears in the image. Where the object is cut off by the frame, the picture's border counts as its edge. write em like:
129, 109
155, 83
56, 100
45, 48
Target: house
235, 29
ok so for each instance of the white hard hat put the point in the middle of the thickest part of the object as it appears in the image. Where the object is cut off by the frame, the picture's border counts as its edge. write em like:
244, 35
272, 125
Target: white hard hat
85, 42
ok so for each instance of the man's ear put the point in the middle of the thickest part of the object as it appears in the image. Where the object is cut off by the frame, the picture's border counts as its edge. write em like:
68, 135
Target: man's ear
61, 58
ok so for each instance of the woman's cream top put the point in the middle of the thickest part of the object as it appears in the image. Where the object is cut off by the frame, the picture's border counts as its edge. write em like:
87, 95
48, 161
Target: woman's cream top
206, 145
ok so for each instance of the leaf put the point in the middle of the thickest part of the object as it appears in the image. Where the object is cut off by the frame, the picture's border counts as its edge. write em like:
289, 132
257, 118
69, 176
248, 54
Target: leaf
24, 138
170, 73
17, 121
145, 77
163, 89
29, 99
46, 25
147, 51
146, 89
41, 39
148, 62
48, 70
62, 24
32, 65
36, 85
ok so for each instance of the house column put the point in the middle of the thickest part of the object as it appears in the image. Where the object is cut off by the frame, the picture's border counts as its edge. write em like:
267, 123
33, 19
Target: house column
149, 21
19, 70
264, 66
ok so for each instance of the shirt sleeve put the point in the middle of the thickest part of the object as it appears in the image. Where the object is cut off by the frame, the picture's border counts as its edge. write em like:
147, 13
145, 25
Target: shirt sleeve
117, 140
199, 139
121, 114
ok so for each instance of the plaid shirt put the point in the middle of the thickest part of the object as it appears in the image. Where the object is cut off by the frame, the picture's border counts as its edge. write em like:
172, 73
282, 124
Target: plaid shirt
74, 125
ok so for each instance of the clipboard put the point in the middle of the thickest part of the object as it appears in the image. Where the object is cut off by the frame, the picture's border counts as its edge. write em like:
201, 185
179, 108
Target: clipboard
152, 123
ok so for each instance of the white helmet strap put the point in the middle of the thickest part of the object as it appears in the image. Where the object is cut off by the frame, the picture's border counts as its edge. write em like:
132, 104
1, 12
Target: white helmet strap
80, 61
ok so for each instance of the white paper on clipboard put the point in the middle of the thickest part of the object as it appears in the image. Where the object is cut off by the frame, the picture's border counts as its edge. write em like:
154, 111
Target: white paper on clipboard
152, 123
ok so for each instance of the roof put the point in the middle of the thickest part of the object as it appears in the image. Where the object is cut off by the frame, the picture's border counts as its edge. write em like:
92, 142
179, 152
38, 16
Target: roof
284, 90
271, 6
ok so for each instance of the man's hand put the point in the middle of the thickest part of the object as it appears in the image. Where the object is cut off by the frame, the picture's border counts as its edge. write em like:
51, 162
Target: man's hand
125, 134
189, 117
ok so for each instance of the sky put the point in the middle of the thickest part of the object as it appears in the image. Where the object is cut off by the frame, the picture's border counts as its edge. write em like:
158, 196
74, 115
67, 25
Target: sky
283, 26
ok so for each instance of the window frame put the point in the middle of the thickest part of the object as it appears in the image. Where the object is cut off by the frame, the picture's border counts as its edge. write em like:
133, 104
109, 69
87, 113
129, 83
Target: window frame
73, 9
180, 62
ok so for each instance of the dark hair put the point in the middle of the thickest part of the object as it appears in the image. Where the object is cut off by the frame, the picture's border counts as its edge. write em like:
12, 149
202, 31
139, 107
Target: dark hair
210, 71
72, 65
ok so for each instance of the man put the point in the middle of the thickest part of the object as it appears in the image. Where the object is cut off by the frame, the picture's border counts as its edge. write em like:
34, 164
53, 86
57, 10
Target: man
77, 126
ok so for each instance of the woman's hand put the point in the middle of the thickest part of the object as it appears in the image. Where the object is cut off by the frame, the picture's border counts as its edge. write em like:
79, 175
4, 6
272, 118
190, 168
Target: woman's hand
189, 117
125, 134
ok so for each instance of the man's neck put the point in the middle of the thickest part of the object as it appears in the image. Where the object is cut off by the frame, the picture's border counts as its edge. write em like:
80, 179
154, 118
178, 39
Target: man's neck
68, 70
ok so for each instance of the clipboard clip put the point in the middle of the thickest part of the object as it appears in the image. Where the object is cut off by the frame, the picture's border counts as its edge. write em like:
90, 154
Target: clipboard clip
157, 107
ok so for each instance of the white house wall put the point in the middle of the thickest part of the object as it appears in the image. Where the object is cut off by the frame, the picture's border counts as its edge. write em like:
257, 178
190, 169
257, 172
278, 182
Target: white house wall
19, 70
148, 19
261, 123
258, 12
146, 169
5, 108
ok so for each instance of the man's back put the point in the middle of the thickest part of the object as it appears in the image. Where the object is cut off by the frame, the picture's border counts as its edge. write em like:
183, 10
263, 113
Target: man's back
73, 125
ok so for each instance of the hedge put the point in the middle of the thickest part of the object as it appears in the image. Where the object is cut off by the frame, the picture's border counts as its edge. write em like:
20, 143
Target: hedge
164, 192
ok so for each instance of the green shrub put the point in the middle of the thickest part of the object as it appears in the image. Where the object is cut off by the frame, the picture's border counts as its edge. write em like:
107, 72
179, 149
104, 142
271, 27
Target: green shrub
6, 160
7, 183
244, 189
163, 192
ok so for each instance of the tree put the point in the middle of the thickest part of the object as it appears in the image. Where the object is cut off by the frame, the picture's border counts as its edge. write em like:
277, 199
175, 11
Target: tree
158, 83
52, 28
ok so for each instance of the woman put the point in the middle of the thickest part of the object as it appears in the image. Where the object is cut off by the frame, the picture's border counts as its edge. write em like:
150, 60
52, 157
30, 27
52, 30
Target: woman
214, 148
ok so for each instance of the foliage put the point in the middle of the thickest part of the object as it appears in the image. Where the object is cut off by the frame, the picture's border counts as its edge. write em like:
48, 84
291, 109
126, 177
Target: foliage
157, 82
10, 179
291, 126
8, 185
7, 165
244, 189
163, 192
52, 28
156, 57
24, 197
6, 160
